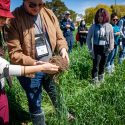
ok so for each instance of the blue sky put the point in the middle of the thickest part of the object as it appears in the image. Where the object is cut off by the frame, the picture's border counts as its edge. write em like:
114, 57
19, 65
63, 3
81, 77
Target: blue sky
77, 5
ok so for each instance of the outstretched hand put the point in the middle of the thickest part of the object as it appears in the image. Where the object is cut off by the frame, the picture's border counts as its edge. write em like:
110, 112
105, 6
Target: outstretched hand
64, 54
50, 68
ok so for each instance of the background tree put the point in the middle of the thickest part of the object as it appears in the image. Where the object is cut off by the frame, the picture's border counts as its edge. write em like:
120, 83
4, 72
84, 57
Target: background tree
59, 9
119, 9
90, 12
89, 15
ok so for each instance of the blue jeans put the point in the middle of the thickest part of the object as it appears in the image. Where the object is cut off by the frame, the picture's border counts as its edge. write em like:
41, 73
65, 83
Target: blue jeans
111, 56
33, 89
70, 42
99, 61
122, 54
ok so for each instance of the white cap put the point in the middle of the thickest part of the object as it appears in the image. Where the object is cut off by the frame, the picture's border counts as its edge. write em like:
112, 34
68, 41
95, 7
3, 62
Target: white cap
67, 12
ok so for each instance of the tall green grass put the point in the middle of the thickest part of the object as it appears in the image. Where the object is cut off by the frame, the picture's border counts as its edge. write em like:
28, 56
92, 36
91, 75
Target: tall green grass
90, 104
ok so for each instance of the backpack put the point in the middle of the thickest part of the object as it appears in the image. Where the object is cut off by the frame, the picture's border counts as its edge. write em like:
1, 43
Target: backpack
77, 36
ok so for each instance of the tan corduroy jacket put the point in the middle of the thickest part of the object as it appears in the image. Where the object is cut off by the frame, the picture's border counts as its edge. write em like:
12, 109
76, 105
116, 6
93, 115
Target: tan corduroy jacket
21, 41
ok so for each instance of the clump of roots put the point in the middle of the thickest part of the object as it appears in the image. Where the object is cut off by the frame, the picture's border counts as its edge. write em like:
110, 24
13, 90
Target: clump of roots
63, 65
61, 62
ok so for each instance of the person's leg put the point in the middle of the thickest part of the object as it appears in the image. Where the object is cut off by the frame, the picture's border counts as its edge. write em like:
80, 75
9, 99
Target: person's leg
81, 43
68, 39
33, 89
84, 40
96, 62
122, 54
113, 57
102, 66
50, 88
4, 109
109, 61
71, 42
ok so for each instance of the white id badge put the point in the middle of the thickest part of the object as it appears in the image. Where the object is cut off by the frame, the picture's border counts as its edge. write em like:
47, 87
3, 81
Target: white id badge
42, 50
41, 47
102, 42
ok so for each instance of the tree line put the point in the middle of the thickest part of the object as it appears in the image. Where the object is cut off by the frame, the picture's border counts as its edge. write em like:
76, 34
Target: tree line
90, 12
59, 9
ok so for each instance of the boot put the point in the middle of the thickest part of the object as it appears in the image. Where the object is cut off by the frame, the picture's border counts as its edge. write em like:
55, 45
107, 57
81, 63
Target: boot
95, 80
101, 77
108, 69
112, 68
38, 119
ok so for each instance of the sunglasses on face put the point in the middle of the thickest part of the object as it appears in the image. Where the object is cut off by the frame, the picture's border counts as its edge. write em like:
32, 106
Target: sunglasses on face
34, 5
115, 19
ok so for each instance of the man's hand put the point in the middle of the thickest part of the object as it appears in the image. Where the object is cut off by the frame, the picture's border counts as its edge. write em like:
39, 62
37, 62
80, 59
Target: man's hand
64, 54
67, 26
118, 33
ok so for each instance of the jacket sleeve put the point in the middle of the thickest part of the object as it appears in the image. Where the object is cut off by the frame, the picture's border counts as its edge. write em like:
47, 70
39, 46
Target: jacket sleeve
62, 25
14, 45
89, 40
9, 70
72, 27
61, 42
120, 24
111, 39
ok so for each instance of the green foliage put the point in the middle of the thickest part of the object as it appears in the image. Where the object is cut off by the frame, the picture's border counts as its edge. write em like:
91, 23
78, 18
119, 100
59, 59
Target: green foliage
59, 9
90, 12
102, 104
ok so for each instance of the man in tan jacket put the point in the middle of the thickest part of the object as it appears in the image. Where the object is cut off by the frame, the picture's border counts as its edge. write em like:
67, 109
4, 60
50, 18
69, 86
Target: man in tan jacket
34, 36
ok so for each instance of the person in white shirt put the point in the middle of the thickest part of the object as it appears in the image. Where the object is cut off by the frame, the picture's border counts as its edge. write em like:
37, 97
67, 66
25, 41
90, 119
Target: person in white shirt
6, 69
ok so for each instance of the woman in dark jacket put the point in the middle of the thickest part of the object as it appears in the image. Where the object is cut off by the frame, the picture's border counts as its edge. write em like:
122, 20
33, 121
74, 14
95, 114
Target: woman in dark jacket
82, 30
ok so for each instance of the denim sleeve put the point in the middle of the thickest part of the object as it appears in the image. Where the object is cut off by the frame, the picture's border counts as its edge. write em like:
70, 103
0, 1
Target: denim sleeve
120, 24
72, 27
89, 40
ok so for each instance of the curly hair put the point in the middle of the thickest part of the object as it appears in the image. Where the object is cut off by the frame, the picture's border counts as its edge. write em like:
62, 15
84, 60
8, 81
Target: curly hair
105, 16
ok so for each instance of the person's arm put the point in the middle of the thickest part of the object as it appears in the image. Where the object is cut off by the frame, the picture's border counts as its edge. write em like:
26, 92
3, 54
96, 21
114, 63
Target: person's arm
111, 39
72, 27
14, 45
62, 46
7, 69
89, 38
120, 24
45, 67
63, 25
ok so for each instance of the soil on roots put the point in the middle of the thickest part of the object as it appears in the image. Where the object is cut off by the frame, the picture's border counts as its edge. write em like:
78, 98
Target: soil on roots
61, 62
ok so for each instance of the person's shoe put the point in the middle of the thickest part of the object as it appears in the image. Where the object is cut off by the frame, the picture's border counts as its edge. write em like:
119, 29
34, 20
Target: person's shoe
108, 69
38, 119
70, 117
101, 78
95, 80
120, 60
112, 68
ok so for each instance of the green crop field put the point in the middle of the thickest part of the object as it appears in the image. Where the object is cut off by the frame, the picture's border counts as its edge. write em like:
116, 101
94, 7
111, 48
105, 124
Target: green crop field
102, 104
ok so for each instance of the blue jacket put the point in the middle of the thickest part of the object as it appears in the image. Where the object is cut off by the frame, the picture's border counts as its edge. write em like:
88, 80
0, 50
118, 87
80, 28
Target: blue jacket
121, 24
93, 36
116, 29
67, 32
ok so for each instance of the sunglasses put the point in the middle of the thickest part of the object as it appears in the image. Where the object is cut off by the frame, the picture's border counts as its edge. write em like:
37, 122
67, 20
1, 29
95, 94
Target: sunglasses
115, 19
34, 5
